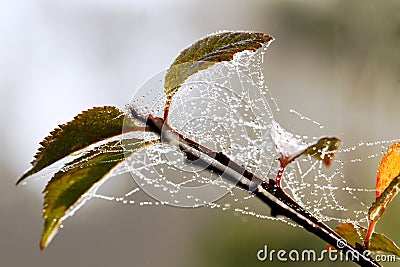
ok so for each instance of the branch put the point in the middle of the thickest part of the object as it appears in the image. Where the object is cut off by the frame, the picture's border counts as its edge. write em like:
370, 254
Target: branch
267, 191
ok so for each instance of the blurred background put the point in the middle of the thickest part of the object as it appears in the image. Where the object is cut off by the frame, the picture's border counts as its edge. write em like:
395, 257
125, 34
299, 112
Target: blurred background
337, 62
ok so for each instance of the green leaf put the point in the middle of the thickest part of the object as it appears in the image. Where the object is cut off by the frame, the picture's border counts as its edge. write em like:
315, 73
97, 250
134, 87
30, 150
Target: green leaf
381, 203
205, 53
292, 147
324, 149
89, 127
68, 189
379, 242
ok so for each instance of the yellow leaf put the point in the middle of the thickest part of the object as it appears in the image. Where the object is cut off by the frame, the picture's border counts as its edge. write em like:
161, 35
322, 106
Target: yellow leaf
389, 168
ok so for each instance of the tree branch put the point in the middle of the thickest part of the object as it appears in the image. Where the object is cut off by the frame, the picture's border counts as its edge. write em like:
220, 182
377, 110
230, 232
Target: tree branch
267, 191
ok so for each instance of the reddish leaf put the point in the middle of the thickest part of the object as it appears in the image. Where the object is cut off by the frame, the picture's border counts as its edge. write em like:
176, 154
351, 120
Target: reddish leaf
389, 168
387, 187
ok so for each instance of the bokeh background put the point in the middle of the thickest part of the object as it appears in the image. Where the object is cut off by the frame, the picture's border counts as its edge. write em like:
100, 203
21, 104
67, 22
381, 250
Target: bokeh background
337, 62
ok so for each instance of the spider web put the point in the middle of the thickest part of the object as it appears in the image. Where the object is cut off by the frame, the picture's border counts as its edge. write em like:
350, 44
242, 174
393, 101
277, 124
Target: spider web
227, 108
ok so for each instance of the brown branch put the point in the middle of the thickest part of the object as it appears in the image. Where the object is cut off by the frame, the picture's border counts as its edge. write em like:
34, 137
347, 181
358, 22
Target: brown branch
267, 191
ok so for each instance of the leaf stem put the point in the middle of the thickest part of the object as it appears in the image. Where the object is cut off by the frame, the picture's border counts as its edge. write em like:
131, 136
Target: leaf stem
369, 233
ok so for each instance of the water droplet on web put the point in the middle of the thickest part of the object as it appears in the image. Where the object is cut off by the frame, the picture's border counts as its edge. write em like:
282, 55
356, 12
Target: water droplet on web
227, 107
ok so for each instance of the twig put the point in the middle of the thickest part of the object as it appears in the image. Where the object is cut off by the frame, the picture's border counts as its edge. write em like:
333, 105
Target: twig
267, 191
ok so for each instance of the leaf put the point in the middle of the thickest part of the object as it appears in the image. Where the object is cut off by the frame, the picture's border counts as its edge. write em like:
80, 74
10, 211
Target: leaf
387, 187
380, 205
379, 242
68, 189
89, 127
389, 168
324, 149
207, 52
291, 147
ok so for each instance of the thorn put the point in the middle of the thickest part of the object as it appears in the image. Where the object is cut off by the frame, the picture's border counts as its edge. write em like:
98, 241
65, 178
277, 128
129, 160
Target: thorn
274, 213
